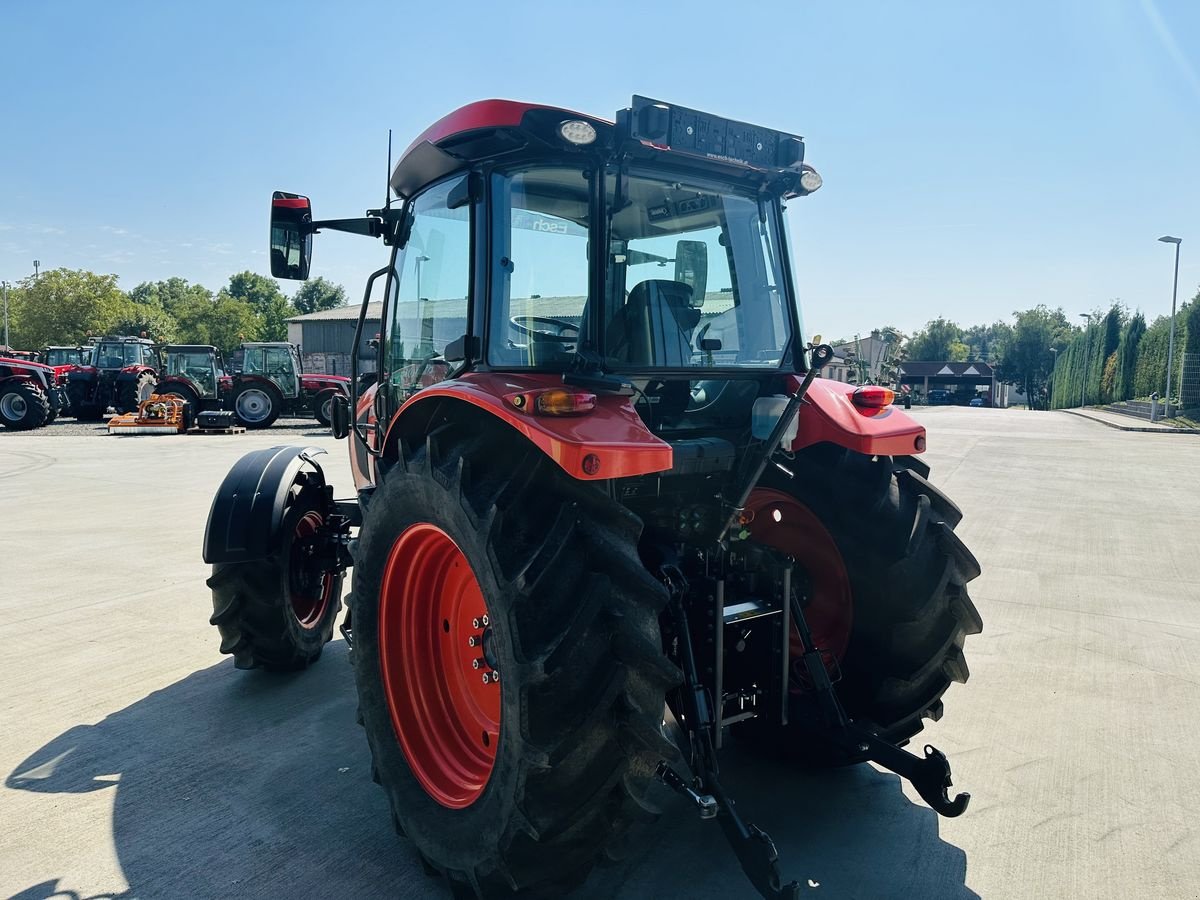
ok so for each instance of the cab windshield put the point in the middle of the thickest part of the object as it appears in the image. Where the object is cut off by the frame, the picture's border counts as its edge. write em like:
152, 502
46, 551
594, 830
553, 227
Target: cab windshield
113, 355
692, 272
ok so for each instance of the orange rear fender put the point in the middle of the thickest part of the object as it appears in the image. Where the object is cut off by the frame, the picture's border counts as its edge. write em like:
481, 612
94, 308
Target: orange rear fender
610, 441
828, 415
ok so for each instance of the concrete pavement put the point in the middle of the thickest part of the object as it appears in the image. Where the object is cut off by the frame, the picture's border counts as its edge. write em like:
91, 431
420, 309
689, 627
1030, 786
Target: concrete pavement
138, 762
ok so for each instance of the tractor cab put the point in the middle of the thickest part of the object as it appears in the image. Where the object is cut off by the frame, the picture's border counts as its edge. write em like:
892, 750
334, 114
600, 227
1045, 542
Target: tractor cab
66, 356
646, 256
200, 367
278, 362
116, 353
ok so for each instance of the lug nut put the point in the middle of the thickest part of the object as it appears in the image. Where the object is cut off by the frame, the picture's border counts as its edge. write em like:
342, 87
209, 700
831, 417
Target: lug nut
475, 623
495, 677
477, 664
472, 641
487, 679
485, 621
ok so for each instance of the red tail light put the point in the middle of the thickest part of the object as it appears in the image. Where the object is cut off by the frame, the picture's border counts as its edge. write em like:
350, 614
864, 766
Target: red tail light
873, 397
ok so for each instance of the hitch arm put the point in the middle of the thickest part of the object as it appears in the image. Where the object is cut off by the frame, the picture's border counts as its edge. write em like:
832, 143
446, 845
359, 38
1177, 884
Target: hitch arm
929, 775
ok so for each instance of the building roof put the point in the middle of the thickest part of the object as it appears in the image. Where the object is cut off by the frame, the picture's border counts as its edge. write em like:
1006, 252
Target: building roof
374, 310
945, 369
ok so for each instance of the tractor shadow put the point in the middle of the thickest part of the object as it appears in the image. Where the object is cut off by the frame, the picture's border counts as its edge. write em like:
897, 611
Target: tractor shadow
250, 784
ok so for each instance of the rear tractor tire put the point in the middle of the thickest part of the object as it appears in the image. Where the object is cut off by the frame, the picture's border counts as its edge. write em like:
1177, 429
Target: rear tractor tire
23, 405
81, 409
279, 612
479, 558
256, 405
131, 393
884, 591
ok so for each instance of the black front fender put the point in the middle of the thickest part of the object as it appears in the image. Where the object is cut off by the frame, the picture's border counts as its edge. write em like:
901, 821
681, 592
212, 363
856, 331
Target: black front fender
247, 511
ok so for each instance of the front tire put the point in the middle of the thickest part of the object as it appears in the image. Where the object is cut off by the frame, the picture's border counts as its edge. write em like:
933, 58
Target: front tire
523, 783
23, 405
279, 612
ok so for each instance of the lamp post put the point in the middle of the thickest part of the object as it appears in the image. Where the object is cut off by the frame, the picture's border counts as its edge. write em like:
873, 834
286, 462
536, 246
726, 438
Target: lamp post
36, 265
1086, 353
1167, 239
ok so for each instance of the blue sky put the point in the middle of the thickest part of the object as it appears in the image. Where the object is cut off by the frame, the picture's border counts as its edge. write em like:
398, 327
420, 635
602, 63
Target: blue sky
978, 157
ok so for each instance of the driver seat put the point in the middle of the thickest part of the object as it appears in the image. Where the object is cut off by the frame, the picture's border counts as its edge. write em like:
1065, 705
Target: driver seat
655, 325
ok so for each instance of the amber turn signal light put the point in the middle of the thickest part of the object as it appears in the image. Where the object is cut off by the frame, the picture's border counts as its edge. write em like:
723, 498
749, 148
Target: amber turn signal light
873, 397
561, 402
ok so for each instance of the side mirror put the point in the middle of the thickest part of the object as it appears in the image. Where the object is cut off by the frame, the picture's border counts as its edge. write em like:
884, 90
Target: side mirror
339, 416
691, 268
291, 236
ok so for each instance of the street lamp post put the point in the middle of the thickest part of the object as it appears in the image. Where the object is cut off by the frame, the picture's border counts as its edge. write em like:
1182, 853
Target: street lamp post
1167, 239
1086, 353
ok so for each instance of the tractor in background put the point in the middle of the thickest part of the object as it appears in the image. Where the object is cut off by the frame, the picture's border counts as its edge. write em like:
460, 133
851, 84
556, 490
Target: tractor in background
29, 394
607, 518
195, 374
272, 382
119, 372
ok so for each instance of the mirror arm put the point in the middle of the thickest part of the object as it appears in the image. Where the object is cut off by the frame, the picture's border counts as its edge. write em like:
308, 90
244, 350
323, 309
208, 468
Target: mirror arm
371, 226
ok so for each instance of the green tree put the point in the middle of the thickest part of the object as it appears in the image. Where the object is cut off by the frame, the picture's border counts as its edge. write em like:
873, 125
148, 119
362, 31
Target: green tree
317, 295
169, 294
264, 296
939, 340
1027, 358
64, 306
223, 321
146, 319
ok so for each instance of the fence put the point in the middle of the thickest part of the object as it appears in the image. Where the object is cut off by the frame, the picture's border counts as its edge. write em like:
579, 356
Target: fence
1189, 382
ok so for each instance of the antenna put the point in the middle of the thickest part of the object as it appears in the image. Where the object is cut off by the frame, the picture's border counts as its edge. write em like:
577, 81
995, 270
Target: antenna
387, 182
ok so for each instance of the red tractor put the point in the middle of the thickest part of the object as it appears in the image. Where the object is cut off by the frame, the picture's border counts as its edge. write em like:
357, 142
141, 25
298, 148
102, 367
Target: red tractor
272, 382
608, 518
29, 394
118, 372
195, 373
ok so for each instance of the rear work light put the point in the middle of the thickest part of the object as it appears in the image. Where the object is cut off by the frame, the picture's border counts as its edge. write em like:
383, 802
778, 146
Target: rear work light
873, 397
577, 131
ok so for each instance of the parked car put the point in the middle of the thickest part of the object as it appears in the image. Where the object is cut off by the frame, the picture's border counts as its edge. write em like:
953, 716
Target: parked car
938, 397
976, 401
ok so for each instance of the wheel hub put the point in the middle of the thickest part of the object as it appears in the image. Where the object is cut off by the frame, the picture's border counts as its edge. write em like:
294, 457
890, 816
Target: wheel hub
309, 587
437, 660
13, 406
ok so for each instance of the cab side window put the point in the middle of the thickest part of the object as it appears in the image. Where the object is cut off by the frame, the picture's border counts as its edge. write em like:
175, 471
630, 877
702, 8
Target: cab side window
430, 294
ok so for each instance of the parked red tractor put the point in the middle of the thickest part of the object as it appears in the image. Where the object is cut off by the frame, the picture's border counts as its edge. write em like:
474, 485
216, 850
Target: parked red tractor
608, 518
195, 373
272, 382
119, 372
29, 394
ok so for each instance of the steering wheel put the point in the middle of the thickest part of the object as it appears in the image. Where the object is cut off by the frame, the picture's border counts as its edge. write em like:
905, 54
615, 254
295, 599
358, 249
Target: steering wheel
557, 336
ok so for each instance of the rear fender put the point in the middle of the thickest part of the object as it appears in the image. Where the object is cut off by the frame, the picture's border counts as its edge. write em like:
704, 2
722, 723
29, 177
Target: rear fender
247, 512
612, 438
829, 416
